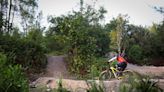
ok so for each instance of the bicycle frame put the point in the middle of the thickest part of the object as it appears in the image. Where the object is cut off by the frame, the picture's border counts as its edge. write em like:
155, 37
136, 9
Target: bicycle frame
114, 70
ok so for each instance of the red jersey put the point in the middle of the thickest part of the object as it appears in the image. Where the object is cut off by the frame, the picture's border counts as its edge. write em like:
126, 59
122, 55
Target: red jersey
121, 59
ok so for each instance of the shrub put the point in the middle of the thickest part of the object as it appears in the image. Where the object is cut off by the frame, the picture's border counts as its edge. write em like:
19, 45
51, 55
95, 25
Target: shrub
139, 84
94, 72
97, 66
82, 52
12, 78
135, 53
57, 45
23, 51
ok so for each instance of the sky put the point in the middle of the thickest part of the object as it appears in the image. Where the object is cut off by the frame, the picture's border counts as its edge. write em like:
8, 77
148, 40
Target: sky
140, 12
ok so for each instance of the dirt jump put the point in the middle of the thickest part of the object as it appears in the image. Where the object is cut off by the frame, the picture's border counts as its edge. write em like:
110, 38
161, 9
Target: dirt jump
56, 69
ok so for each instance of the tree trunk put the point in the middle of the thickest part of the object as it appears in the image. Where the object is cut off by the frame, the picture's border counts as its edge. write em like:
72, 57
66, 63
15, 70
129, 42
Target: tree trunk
8, 24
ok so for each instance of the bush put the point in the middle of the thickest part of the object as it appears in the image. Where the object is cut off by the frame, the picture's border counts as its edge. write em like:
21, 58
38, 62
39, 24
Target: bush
12, 78
135, 53
97, 66
57, 45
94, 71
23, 51
82, 52
139, 84
100, 63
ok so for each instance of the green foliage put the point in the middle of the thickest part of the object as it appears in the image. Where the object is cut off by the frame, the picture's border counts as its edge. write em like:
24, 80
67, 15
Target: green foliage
94, 71
12, 78
102, 40
100, 63
118, 32
157, 45
57, 45
83, 52
150, 42
22, 51
81, 36
135, 53
139, 84
35, 35
97, 66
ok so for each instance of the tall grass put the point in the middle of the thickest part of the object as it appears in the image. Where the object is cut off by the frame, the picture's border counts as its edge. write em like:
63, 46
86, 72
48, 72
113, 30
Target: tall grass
139, 84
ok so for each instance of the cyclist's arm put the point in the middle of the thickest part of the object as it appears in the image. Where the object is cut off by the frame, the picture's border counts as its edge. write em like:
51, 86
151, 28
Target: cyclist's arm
112, 59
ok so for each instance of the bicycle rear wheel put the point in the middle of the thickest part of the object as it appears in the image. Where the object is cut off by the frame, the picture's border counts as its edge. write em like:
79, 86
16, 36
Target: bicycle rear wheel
105, 75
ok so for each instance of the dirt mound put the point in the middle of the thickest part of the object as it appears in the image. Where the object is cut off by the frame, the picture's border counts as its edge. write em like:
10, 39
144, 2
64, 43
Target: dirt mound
74, 85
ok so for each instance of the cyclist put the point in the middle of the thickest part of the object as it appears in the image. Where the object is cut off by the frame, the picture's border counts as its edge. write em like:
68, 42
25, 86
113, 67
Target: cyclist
121, 63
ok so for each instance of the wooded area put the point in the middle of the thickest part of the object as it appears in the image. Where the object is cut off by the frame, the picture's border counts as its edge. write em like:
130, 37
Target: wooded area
79, 34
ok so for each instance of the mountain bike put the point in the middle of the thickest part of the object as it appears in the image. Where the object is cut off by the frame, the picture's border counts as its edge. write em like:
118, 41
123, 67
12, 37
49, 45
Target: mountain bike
113, 72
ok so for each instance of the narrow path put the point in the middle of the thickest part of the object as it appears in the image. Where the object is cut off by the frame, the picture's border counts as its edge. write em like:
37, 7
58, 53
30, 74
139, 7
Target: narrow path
56, 67
148, 70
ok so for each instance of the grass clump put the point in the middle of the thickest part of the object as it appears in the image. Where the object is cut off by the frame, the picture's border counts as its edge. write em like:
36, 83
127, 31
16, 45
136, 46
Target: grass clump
139, 84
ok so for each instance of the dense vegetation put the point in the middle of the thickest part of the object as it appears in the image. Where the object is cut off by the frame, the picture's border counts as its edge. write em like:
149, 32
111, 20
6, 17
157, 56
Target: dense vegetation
80, 35
12, 79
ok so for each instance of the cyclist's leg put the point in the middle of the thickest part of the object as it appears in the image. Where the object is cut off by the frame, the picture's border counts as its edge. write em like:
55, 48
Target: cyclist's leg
121, 67
124, 65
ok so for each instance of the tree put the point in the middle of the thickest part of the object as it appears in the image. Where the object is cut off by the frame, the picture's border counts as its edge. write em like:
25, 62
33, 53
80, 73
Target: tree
83, 34
121, 32
118, 32
140, 36
9, 8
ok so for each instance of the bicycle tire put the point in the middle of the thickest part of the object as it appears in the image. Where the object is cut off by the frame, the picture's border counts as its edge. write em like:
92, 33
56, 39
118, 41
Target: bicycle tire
128, 73
105, 75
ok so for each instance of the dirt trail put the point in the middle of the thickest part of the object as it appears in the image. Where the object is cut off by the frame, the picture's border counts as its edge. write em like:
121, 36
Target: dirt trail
56, 68
148, 70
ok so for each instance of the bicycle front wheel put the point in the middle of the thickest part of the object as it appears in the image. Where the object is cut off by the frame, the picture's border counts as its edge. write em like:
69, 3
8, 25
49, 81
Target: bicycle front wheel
128, 73
105, 75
